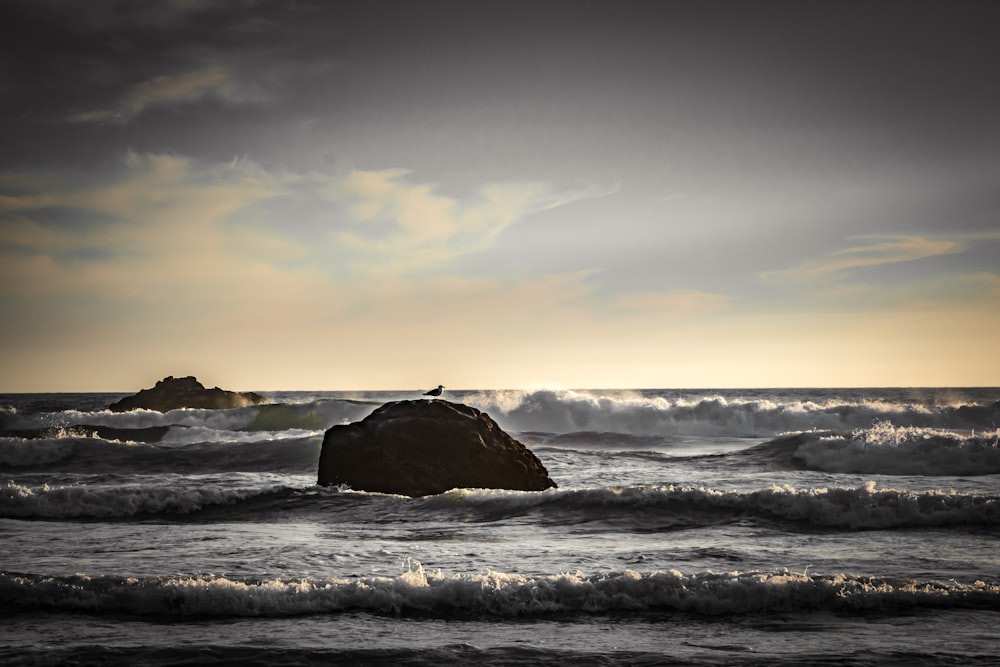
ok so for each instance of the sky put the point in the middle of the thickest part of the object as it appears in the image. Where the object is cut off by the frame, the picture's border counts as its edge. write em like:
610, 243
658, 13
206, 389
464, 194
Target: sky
499, 194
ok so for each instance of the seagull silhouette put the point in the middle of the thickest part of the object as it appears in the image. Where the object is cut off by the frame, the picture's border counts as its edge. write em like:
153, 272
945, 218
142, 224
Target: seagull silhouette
434, 392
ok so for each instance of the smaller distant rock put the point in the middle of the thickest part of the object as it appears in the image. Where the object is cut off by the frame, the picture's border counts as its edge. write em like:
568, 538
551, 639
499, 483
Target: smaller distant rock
172, 393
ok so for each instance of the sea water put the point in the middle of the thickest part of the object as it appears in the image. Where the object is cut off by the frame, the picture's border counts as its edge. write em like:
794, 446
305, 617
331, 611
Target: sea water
754, 527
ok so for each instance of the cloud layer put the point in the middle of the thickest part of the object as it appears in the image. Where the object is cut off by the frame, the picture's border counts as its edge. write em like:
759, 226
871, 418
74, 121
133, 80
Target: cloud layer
331, 195
879, 252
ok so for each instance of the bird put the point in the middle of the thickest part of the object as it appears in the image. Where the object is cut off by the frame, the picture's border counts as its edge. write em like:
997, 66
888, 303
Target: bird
434, 392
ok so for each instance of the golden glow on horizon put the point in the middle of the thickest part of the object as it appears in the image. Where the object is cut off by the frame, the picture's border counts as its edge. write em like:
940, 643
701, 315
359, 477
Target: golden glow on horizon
178, 287
869, 350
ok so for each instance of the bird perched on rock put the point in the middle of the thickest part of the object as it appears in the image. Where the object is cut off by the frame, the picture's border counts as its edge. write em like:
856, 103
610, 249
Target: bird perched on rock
434, 392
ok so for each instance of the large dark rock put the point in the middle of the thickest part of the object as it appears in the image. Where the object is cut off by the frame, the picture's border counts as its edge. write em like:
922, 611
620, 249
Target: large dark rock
172, 393
425, 447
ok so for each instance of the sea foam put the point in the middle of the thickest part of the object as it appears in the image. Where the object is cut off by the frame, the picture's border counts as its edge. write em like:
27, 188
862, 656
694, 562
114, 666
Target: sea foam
312, 416
500, 594
851, 508
22, 452
107, 501
887, 449
638, 413
845, 508
754, 414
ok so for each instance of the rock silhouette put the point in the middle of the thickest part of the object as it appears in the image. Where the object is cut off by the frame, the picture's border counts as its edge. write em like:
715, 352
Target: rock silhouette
172, 393
426, 447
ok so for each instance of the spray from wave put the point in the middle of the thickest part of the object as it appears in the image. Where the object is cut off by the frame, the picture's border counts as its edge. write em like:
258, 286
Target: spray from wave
884, 448
638, 413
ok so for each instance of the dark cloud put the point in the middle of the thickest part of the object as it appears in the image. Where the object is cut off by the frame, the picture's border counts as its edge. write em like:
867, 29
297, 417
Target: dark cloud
654, 154
750, 92
717, 78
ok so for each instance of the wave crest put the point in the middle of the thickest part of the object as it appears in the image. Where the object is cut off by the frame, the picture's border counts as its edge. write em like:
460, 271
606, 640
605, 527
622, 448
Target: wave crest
849, 508
639, 413
21, 452
643, 508
492, 594
887, 449
63, 502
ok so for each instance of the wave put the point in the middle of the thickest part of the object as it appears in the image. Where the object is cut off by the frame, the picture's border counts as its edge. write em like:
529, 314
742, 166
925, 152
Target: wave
311, 416
494, 594
648, 413
181, 449
889, 450
638, 508
458, 654
106, 501
144, 434
672, 506
21, 452
652, 413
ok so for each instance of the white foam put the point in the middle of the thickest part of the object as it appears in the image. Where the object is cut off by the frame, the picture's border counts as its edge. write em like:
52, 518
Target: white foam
20, 452
756, 414
98, 501
563, 410
902, 450
851, 508
180, 435
492, 593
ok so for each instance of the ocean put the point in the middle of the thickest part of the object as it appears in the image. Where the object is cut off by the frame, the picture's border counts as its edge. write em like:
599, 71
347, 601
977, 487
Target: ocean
689, 527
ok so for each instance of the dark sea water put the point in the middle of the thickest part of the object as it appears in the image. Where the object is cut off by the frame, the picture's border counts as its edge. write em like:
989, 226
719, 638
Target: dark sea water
752, 527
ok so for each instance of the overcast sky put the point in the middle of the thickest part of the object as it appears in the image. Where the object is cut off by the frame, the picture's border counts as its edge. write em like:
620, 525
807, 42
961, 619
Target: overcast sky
366, 195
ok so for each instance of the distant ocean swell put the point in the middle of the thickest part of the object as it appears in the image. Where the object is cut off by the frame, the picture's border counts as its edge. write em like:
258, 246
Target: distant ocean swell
491, 594
562, 411
860, 508
878, 448
313, 415
565, 411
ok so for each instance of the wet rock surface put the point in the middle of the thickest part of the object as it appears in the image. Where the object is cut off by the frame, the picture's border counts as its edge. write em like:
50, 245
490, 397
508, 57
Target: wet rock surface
426, 447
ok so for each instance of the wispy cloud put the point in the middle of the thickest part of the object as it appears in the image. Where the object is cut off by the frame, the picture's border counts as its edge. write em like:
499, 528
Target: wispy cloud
126, 265
587, 191
400, 225
167, 229
165, 254
157, 212
165, 90
374, 222
881, 251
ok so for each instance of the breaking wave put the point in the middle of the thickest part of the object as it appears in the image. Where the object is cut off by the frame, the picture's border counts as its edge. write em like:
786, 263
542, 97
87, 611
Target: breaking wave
494, 594
753, 413
853, 508
890, 450
654, 413
181, 449
103, 501
315, 415
642, 508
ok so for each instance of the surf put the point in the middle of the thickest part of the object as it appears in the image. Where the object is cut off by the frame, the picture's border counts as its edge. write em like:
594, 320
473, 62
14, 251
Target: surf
888, 449
735, 414
490, 594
